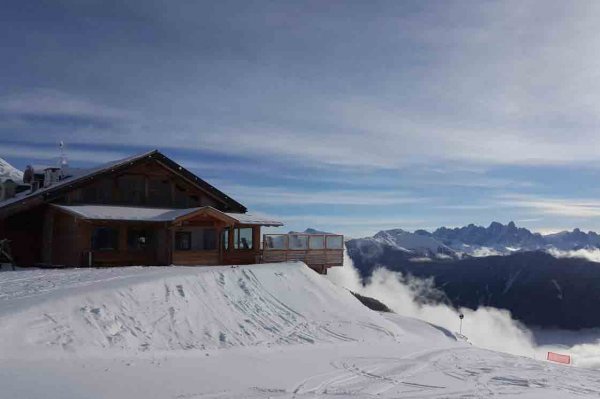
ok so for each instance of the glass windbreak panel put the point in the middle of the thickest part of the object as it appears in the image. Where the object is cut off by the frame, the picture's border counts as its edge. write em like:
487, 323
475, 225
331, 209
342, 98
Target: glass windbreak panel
139, 239
298, 241
105, 239
225, 239
276, 242
335, 242
316, 242
183, 241
242, 238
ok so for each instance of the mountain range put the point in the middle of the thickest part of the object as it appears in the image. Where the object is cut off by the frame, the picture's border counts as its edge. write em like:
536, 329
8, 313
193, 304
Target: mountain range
501, 266
474, 241
7, 171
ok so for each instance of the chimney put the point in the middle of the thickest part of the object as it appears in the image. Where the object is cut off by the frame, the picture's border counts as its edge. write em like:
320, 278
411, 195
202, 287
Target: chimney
51, 176
35, 185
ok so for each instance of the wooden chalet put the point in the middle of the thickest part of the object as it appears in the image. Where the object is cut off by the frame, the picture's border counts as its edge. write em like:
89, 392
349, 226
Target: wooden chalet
143, 210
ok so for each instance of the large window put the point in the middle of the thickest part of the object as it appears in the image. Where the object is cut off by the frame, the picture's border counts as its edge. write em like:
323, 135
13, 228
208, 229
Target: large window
159, 192
131, 189
225, 239
105, 239
139, 239
98, 192
196, 239
208, 242
183, 240
242, 238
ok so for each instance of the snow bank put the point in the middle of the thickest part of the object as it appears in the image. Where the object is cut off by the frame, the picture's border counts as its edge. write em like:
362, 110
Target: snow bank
139, 309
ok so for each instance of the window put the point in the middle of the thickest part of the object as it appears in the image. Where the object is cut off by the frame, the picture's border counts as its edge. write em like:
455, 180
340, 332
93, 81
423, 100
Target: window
105, 239
225, 239
316, 242
98, 192
139, 239
131, 189
183, 241
159, 192
209, 239
335, 242
181, 197
242, 238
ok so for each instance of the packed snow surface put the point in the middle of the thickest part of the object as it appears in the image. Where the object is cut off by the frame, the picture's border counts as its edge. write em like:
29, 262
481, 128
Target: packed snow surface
260, 331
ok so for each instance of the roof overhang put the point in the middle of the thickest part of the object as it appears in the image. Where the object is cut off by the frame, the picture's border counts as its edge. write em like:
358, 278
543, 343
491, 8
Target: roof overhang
160, 215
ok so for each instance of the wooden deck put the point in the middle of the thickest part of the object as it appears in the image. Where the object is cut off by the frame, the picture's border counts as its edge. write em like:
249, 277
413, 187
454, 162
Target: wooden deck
319, 251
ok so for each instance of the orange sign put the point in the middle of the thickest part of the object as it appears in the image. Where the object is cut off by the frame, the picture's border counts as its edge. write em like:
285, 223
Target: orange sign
558, 358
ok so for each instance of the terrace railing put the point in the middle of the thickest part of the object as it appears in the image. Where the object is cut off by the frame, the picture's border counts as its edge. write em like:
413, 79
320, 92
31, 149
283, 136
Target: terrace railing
319, 251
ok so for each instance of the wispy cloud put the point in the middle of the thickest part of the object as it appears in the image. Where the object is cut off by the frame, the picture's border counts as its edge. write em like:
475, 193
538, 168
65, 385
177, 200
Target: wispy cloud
282, 196
52, 153
55, 103
572, 207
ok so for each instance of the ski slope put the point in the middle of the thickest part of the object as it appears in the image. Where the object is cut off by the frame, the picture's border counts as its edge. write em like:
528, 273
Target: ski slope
260, 331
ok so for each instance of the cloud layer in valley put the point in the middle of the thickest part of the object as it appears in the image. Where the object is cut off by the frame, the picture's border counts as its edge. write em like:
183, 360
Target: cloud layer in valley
485, 327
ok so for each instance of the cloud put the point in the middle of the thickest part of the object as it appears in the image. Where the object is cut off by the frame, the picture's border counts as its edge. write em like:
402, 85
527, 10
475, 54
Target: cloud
55, 103
574, 207
52, 153
591, 254
485, 327
460, 84
284, 196
489, 328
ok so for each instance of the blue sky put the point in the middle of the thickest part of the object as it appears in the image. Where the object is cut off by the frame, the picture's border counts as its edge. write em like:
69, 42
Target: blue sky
346, 116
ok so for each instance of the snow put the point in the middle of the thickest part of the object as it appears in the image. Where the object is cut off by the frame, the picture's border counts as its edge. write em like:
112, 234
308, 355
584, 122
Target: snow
259, 331
130, 213
7, 171
247, 218
410, 242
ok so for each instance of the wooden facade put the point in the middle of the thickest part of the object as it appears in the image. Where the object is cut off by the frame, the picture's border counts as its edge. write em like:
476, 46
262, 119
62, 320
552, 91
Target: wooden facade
144, 210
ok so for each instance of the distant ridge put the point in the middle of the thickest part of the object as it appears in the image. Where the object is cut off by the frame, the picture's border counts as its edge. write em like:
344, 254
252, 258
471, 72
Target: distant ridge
478, 241
9, 172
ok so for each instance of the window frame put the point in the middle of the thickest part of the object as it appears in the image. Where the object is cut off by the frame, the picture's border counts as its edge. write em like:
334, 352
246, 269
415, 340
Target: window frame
177, 241
147, 233
114, 239
236, 238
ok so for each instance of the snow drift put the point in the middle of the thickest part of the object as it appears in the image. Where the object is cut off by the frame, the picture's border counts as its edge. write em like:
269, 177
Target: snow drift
178, 308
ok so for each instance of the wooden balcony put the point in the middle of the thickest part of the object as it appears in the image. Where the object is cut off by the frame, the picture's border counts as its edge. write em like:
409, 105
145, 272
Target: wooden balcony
318, 251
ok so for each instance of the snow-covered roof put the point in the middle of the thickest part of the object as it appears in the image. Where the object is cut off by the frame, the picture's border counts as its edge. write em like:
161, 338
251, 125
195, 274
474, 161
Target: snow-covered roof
246, 218
139, 214
126, 213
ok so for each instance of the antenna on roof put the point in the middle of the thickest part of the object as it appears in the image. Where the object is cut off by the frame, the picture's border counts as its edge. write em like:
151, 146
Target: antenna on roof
63, 158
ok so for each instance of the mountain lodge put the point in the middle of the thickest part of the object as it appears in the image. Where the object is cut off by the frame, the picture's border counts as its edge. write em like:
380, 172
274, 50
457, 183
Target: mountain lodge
142, 210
